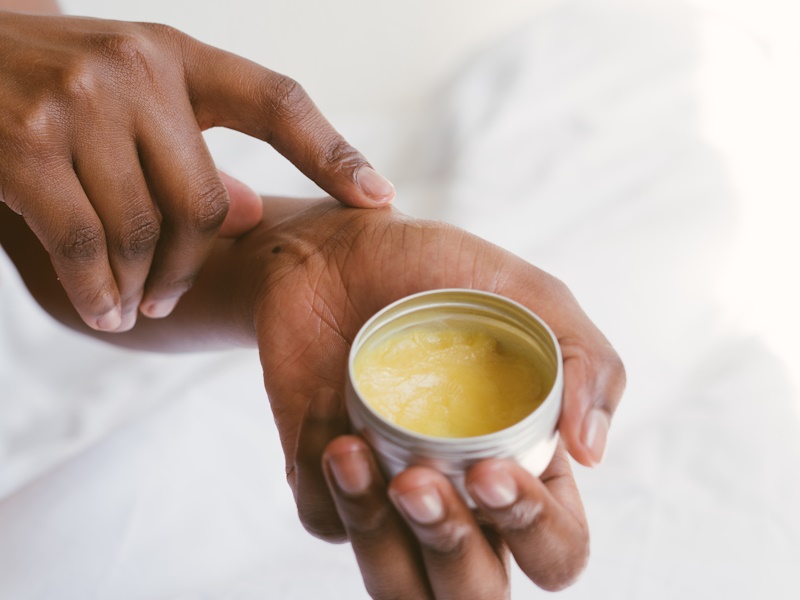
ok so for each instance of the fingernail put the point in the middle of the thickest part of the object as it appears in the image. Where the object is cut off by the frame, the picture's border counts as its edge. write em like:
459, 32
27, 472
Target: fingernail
423, 505
495, 490
128, 321
109, 321
595, 433
159, 309
324, 405
351, 472
375, 185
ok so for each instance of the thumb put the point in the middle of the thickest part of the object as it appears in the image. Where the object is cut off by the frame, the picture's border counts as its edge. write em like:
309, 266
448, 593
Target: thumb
230, 91
594, 380
245, 211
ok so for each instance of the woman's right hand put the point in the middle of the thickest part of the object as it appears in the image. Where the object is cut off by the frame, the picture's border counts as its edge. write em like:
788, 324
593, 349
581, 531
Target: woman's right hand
101, 152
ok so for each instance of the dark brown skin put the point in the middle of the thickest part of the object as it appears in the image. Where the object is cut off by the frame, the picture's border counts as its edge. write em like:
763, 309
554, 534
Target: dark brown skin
36, 7
101, 152
300, 285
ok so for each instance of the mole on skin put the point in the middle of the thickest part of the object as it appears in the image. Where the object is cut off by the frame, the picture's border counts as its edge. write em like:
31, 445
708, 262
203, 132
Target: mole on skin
456, 380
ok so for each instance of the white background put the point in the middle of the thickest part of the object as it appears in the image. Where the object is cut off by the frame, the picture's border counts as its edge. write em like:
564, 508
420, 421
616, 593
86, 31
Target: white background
643, 151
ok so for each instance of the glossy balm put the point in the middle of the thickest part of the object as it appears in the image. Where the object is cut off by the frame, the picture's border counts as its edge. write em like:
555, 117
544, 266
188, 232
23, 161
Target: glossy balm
450, 379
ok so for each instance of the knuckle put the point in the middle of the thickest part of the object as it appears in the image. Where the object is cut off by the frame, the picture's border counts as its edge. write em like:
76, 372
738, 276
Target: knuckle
377, 591
93, 297
566, 565
369, 525
82, 244
177, 286
341, 155
210, 207
327, 534
169, 37
558, 288
611, 376
562, 575
447, 541
618, 368
619, 376
140, 239
291, 478
380, 588
31, 134
81, 82
285, 98
323, 527
125, 51
161, 30
521, 517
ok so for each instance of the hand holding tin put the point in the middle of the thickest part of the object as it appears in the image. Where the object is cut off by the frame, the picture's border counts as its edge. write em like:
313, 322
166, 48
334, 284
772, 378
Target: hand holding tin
336, 268
101, 152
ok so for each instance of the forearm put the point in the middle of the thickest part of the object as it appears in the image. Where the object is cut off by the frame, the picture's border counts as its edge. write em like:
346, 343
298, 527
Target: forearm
40, 7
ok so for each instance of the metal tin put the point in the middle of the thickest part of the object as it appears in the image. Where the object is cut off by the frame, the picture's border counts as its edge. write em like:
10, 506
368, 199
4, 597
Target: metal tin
531, 441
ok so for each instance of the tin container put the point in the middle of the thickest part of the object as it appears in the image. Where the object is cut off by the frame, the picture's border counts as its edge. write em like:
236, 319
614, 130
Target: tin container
530, 441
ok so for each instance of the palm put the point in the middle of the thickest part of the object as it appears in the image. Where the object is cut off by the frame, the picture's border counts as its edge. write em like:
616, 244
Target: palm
316, 303
336, 267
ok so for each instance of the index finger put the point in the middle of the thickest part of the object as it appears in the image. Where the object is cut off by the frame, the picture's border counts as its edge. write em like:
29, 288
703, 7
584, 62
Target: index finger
233, 92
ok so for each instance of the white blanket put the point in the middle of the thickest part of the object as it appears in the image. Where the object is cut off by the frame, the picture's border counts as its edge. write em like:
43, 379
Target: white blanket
575, 142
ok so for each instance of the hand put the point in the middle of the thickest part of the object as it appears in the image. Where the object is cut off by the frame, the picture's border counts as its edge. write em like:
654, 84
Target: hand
301, 284
417, 538
330, 269
101, 153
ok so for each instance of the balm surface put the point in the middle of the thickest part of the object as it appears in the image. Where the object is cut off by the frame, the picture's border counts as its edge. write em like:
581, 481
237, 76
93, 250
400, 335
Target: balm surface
451, 380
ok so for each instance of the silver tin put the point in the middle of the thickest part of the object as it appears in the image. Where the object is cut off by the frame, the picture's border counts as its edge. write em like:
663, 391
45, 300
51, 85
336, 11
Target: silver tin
531, 441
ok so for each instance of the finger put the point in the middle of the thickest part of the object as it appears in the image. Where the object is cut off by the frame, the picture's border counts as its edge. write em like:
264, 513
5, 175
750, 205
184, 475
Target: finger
192, 199
111, 175
594, 376
229, 91
246, 208
325, 419
542, 521
458, 558
594, 380
71, 232
386, 554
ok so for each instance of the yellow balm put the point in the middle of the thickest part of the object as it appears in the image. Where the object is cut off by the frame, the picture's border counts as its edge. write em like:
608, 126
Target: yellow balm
449, 379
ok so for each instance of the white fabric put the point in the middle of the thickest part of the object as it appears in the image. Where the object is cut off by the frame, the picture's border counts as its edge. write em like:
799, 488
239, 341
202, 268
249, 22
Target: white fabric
574, 142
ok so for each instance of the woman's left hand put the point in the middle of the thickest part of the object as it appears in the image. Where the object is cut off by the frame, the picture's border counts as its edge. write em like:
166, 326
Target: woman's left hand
329, 269
417, 539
